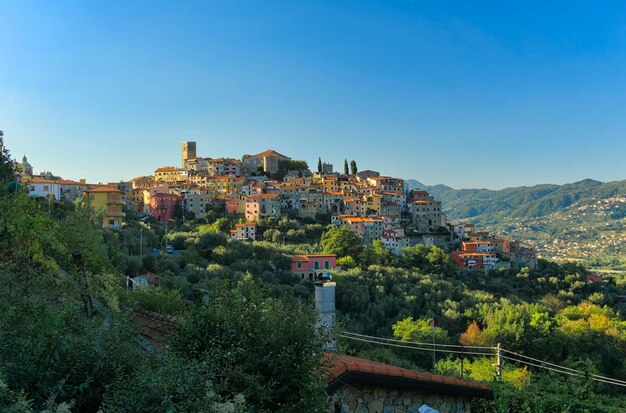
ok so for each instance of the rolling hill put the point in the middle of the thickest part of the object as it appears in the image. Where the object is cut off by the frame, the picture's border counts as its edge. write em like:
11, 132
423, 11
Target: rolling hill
581, 220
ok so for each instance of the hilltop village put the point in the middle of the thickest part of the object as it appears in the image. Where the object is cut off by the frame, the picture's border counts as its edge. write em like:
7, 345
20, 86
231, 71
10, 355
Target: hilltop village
271, 185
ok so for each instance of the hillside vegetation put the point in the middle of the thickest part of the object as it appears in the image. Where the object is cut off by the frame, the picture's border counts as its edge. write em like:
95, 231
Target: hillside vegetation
68, 343
583, 220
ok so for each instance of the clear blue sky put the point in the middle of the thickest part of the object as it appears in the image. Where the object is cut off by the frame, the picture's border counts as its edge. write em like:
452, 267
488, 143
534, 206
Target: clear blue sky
470, 94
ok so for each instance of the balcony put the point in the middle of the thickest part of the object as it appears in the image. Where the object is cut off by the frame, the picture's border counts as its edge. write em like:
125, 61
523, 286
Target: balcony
115, 214
117, 201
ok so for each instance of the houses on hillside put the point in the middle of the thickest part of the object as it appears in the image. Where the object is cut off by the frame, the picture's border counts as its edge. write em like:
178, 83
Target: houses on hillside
484, 251
373, 206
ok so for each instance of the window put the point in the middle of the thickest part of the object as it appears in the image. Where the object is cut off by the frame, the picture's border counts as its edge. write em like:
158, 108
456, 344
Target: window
327, 265
299, 265
317, 265
45, 187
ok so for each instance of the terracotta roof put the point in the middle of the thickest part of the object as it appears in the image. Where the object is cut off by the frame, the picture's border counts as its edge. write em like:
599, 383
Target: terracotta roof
69, 182
593, 277
341, 369
247, 224
38, 180
271, 152
168, 169
262, 196
338, 369
138, 178
162, 195
154, 327
103, 188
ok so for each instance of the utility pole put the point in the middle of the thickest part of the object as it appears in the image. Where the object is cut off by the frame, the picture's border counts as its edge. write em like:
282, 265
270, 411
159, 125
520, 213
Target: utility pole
141, 243
462, 359
498, 363
432, 325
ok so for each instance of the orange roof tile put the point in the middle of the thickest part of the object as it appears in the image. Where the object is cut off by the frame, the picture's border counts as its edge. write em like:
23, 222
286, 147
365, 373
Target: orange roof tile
262, 196
271, 152
38, 180
168, 169
338, 368
103, 188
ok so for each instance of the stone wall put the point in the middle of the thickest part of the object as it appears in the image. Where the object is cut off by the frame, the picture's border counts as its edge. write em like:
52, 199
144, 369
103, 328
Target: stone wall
359, 398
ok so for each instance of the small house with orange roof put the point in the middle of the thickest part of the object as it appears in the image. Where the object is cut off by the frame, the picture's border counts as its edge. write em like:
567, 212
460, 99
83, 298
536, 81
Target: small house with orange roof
42, 188
360, 385
244, 232
307, 266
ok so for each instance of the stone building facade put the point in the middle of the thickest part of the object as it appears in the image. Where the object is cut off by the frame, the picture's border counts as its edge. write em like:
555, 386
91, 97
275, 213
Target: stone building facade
357, 385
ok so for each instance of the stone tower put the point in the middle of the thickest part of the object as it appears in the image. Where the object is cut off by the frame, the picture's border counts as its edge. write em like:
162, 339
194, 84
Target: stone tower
188, 151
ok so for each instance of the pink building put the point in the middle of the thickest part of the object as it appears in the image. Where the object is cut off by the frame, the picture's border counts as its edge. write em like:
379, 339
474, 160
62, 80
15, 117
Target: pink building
307, 266
262, 206
162, 206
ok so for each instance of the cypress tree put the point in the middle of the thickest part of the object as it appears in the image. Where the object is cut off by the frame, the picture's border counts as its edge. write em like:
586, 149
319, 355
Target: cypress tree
353, 167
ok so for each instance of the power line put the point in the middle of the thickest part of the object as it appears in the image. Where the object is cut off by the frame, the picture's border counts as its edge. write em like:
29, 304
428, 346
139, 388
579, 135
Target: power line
414, 342
563, 367
416, 348
576, 373
515, 357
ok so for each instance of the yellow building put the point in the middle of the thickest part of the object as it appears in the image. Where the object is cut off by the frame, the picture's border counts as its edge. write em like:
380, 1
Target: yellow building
109, 201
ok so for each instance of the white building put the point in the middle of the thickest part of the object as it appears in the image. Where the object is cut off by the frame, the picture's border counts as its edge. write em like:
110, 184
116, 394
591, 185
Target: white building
39, 187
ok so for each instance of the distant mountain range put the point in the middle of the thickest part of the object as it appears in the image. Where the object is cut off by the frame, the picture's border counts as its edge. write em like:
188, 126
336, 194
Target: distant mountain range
574, 220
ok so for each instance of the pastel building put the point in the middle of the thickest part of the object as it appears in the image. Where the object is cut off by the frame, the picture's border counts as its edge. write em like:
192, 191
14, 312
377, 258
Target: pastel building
262, 206
171, 174
195, 203
40, 187
268, 161
106, 200
310, 265
163, 206
244, 232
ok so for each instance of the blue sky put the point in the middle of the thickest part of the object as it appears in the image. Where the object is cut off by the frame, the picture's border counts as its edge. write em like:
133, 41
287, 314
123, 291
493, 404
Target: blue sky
490, 95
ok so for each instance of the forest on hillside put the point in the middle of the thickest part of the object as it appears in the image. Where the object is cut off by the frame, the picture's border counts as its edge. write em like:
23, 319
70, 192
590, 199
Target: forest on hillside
582, 221
67, 341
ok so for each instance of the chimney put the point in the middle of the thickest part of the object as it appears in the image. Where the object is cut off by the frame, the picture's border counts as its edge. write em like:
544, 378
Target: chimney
325, 307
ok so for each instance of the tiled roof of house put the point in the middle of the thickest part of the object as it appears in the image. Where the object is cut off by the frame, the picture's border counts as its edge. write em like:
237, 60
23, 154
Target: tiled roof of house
162, 195
102, 188
423, 201
338, 369
271, 152
262, 196
168, 169
247, 224
69, 182
341, 369
307, 257
154, 327
38, 180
